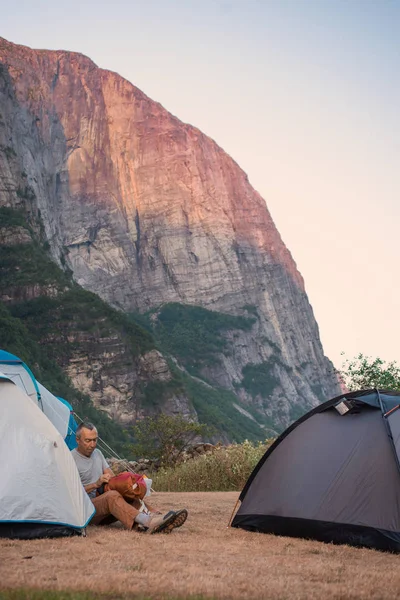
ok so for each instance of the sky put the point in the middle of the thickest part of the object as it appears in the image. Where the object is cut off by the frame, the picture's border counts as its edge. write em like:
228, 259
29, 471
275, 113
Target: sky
304, 95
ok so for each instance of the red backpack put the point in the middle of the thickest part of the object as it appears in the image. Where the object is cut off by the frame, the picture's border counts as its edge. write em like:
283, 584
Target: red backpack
130, 485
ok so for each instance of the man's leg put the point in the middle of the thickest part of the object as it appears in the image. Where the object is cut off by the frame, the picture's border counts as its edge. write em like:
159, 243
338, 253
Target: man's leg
112, 503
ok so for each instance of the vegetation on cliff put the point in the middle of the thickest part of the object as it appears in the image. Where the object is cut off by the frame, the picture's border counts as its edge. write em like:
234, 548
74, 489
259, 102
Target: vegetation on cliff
17, 339
259, 380
48, 320
215, 407
194, 334
197, 338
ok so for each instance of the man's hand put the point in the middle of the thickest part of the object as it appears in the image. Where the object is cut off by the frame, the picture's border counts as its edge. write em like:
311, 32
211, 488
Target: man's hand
105, 478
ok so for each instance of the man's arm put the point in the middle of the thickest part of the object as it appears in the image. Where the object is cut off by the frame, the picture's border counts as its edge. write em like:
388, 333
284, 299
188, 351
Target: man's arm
105, 478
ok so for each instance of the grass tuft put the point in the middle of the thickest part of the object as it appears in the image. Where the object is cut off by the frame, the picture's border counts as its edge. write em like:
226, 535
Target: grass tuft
225, 469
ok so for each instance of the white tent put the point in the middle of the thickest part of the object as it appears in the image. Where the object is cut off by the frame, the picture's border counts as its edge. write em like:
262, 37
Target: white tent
57, 412
41, 494
15, 369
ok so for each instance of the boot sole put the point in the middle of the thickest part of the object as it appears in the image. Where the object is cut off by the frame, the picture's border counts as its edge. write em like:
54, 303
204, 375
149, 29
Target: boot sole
180, 518
175, 519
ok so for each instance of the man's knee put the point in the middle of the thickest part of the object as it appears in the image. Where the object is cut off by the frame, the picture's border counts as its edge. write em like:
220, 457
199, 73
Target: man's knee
112, 496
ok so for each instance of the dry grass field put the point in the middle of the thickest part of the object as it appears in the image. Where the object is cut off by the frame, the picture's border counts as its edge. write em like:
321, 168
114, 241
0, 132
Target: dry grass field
202, 559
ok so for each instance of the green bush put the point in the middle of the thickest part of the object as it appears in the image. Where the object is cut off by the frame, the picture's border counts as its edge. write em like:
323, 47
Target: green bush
165, 437
363, 372
225, 469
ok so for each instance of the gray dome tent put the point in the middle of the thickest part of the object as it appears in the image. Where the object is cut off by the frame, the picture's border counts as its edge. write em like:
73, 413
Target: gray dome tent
333, 476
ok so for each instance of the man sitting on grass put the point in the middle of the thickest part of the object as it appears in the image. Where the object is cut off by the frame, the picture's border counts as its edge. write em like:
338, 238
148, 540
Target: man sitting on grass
111, 506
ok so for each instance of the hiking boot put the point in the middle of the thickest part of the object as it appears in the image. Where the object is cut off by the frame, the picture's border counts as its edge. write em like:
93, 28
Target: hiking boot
180, 517
168, 522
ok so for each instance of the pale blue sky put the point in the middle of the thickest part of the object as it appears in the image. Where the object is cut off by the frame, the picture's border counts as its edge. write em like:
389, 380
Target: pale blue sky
304, 95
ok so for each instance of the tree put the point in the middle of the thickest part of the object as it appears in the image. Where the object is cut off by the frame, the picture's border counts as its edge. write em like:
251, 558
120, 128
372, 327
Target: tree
164, 438
364, 372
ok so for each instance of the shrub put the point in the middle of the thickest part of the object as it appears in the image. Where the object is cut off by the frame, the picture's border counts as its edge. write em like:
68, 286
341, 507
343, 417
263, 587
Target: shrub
225, 469
165, 437
363, 372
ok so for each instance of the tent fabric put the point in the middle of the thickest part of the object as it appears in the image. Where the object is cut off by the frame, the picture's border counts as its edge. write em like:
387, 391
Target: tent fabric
32, 531
19, 372
332, 477
393, 424
322, 531
57, 411
40, 489
70, 439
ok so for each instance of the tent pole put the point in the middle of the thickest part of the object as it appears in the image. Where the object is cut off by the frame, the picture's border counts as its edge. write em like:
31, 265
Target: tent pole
233, 512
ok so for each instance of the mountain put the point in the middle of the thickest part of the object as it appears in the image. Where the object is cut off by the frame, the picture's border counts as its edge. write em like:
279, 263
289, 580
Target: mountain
159, 222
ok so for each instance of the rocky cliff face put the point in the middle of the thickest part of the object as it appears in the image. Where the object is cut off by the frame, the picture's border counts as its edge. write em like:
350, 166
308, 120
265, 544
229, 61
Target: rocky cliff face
145, 210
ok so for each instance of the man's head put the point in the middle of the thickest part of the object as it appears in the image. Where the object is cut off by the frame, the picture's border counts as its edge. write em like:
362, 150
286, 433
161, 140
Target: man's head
86, 437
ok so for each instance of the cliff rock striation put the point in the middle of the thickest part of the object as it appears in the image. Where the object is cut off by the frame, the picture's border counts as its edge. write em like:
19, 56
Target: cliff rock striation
145, 211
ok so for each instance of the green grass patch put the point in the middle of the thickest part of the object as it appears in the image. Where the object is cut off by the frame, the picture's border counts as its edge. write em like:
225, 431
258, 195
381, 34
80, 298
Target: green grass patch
318, 390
